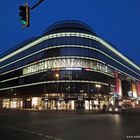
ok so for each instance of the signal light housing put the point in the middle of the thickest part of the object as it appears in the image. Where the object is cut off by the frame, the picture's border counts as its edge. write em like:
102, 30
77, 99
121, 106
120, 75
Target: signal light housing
24, 15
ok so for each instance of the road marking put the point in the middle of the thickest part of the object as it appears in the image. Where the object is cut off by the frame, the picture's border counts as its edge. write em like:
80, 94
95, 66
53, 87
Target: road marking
32, 132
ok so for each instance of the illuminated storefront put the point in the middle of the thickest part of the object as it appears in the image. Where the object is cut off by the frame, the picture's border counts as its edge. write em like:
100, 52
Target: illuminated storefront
68, 67
12, 103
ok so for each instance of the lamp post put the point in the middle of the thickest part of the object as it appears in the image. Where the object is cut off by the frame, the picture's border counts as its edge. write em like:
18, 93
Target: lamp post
66, 98
89, 97
98, 86
57, 78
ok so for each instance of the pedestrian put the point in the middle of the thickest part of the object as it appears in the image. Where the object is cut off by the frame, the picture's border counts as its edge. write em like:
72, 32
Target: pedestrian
98, 106
94, 106
104, 107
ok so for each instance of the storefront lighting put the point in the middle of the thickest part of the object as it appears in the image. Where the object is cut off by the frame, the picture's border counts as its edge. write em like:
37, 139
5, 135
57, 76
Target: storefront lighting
39, 108
88, 69
130, 93
116, 109
46, 99
110, 109
81, 91
137, 102
80, 97
98, 85
57, 75
91, 90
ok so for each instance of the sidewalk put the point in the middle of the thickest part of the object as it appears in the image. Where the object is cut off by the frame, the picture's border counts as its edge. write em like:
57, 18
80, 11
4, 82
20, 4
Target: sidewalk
131, 110
82, 111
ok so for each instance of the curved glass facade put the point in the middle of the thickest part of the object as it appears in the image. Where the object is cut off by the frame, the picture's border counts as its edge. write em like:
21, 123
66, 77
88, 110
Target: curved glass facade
69, 59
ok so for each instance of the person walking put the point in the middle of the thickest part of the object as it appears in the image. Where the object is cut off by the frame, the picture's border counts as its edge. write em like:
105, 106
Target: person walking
104, 107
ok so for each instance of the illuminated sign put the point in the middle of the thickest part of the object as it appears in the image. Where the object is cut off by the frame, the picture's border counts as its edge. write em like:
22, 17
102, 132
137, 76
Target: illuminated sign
130, 93
138, 88
117, 82
61, 98
67, 64
118, 85
73, 68
80, 97
134, 90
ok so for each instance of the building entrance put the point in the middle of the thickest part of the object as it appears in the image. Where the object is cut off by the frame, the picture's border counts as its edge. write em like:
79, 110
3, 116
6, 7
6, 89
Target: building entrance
80, 104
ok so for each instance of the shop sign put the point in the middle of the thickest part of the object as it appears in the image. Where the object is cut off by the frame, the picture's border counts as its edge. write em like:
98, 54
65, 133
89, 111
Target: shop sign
46, 99
138, 88
61, 98
80, 97
134, 90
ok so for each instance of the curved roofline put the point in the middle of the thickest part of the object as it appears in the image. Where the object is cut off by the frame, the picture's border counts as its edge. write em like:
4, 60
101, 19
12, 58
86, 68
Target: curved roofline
49, 28
98, 39
18, 46
53, 26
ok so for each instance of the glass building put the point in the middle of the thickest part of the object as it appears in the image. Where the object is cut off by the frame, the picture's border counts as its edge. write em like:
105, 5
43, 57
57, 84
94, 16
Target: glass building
68, 67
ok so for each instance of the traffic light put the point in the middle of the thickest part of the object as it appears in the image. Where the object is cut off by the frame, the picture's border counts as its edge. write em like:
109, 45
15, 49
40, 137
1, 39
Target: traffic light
24, 15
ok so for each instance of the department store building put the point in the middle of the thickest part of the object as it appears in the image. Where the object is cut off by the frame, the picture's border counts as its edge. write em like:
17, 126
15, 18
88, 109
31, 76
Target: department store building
68, 67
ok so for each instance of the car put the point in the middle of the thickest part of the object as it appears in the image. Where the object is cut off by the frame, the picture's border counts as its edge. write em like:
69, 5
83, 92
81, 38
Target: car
115, 109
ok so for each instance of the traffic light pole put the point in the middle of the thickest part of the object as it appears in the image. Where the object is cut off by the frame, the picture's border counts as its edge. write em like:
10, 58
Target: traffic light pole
39, 2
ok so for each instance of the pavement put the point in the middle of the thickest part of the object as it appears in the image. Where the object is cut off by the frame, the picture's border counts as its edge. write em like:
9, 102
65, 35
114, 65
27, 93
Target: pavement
83, 111
61, 125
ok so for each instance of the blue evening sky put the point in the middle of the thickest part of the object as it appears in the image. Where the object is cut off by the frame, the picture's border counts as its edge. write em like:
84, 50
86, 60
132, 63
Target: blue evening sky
117, 21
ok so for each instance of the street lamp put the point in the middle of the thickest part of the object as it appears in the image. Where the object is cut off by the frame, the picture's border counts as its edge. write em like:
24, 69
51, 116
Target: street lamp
57, 78
98, 86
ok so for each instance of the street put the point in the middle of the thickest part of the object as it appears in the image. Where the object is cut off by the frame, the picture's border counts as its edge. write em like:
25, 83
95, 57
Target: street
47, 125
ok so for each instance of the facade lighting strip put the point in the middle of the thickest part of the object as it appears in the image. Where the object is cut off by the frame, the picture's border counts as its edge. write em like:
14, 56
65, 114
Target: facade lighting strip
71, 34
79, 46
73, 57
46, 71
52, 58
58, 81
